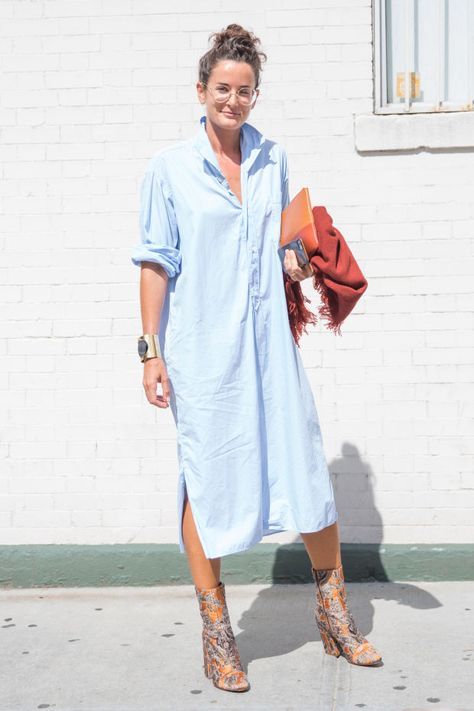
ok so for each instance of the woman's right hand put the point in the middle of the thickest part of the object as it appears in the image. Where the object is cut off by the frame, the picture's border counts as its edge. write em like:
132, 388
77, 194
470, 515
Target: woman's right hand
154, 372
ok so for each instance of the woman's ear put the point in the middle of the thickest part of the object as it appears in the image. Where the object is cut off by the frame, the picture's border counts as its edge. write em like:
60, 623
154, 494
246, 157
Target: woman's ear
256, 99
200, 92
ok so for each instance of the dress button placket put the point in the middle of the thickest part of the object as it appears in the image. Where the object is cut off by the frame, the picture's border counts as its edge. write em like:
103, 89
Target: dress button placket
255, 278
252, 250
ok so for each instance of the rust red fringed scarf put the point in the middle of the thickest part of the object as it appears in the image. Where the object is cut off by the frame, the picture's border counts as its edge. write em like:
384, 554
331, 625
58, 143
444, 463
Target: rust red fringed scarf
338, 280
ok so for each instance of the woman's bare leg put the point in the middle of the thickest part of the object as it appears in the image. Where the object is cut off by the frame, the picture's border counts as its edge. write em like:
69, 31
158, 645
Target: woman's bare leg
204, 571
323, 547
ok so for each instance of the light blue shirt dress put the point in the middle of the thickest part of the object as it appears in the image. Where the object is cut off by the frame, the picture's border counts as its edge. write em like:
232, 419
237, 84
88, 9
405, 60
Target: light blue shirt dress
249, 443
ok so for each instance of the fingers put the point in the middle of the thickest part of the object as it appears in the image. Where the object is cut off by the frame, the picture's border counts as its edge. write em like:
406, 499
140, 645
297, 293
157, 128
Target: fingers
290, 263
292, 268
154, 374
152, 396
165, 386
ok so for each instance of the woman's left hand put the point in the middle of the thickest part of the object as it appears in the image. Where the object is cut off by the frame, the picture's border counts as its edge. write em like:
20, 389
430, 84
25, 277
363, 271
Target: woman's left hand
296, 272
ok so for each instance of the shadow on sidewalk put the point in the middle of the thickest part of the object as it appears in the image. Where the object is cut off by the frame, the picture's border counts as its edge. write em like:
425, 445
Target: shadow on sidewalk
282, 616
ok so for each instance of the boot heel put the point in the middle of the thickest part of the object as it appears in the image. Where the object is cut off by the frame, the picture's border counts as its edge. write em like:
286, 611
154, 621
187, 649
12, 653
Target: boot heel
329, 644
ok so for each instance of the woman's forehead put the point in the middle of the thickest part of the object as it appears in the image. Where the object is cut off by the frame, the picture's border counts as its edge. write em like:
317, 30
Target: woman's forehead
227, 71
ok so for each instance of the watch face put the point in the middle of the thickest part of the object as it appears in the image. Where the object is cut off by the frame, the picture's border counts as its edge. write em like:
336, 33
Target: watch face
142, 348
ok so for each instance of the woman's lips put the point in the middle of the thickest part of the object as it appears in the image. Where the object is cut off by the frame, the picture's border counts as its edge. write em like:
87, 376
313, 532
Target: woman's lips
227, 113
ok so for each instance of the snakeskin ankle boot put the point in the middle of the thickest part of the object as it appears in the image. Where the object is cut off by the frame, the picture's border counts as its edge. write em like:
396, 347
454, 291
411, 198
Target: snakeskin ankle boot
339, 633
221, 657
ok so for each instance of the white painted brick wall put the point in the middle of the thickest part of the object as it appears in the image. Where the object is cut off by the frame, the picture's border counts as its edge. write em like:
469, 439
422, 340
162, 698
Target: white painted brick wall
89, 91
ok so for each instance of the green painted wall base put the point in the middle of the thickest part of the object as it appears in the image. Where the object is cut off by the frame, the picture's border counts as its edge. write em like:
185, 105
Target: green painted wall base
29, 566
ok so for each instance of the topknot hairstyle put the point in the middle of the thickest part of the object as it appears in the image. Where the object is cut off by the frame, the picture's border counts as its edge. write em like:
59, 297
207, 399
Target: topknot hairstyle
232, 43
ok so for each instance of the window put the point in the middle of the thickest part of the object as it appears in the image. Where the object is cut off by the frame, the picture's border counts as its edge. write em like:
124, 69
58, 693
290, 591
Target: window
424, 56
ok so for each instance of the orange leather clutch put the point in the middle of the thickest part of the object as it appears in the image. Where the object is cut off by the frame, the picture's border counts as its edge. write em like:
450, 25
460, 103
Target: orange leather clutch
297, 221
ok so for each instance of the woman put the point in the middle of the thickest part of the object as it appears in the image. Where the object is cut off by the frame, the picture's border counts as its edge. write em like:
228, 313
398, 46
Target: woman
251, 460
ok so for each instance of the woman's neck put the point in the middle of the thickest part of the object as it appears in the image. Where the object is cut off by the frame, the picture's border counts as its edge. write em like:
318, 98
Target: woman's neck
225, 144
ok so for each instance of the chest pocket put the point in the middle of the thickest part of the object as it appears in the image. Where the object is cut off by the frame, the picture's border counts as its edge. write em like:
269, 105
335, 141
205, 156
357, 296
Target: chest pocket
274, 215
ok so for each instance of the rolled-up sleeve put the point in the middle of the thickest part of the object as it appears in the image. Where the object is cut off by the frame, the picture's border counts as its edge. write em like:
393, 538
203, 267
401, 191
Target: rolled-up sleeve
158, 228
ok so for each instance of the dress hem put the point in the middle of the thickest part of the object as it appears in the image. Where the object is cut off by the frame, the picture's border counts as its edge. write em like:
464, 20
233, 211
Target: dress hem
266, 532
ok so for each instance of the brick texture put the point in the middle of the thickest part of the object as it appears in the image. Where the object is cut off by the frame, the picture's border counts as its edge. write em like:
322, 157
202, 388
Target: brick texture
89, 91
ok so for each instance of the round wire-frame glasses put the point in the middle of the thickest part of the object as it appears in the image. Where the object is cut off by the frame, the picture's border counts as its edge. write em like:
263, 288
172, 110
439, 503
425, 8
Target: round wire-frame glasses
245, 95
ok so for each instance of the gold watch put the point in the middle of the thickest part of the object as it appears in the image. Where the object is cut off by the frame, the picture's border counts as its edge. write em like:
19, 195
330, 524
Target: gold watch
149, 347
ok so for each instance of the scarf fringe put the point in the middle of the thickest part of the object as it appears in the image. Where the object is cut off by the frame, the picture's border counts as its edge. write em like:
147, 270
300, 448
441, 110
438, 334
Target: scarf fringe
300, 316
329, 303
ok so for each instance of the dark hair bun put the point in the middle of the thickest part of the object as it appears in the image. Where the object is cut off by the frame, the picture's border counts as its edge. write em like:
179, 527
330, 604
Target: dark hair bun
235, 43
235, 35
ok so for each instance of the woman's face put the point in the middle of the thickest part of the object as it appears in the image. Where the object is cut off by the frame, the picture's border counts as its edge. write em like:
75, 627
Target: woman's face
231, 75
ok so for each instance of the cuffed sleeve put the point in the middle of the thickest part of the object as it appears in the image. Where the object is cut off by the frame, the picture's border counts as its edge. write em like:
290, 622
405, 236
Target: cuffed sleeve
158, 228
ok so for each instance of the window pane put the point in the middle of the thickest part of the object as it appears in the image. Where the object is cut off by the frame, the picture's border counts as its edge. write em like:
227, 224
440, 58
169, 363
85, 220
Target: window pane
426, 51
434, 41
457, 30
395, 40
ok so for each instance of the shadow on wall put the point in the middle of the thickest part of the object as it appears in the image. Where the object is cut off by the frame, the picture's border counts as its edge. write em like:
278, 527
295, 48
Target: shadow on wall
359, 519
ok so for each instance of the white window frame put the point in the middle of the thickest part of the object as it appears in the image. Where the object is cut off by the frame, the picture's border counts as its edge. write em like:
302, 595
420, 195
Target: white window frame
380, 68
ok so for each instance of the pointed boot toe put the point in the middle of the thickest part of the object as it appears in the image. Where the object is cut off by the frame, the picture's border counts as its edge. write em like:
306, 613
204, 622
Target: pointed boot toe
234, 681
366, 655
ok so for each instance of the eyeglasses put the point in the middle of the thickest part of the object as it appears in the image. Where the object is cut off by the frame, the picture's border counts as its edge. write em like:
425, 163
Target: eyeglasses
245, 96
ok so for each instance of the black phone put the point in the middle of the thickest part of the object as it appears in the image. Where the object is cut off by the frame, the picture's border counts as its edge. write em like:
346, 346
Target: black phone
298, 247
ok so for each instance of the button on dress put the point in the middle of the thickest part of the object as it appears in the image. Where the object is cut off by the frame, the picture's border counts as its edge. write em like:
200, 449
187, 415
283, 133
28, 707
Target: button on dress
249, 442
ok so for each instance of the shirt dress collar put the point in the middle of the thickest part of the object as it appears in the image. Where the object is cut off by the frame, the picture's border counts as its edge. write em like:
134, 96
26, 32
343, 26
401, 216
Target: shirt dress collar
251, 143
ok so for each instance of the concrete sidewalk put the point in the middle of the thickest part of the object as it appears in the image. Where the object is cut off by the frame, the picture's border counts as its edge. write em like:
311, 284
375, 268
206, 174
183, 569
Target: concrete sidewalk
139, 649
